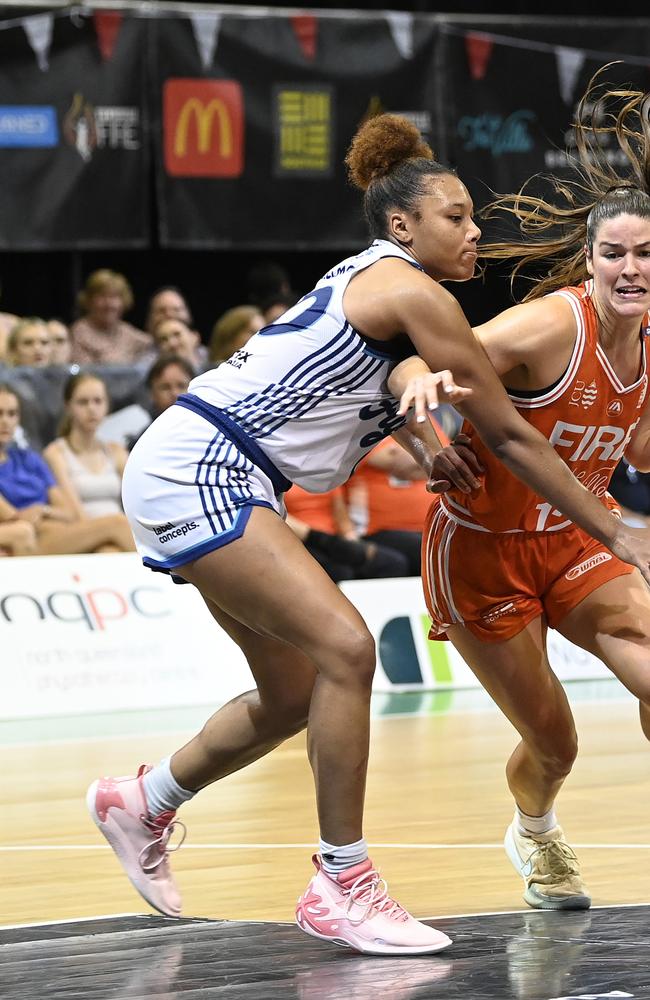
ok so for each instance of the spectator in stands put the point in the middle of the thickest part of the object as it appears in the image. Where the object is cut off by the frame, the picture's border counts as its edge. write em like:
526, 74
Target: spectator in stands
388, 500
7, 322
167, 378
173, 336
322, 523
232, 330
101, 336
275, 305
167, 303
31, 493
60, 342
28, 343
90, 470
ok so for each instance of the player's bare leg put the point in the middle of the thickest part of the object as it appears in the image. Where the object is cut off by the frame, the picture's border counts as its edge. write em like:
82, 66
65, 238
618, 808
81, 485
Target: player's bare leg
518, 676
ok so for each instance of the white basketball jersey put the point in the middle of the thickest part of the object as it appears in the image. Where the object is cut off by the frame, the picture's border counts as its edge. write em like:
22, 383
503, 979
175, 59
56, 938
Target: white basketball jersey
309, 389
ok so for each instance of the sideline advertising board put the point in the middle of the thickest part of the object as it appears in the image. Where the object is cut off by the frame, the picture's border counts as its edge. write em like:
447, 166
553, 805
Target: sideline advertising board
84, 634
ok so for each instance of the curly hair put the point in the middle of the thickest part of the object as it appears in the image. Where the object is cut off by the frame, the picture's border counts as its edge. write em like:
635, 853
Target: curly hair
555, 232
389, 161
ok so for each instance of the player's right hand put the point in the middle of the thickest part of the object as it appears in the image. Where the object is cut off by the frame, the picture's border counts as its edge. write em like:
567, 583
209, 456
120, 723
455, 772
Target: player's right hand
632, 545
456, 465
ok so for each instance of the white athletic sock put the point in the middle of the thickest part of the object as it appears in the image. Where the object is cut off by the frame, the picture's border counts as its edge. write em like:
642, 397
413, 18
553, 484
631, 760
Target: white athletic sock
534, 825
336, 859
162, 791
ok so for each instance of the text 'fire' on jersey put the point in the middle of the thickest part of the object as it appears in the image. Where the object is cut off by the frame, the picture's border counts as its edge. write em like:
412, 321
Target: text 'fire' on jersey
589, 417
308, 388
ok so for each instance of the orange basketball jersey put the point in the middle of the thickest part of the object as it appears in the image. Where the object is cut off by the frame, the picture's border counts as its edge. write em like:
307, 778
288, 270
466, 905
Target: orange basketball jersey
588, 416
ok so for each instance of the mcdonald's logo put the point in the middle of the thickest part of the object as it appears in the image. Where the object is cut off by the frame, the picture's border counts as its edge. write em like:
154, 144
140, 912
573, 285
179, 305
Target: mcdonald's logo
203, 124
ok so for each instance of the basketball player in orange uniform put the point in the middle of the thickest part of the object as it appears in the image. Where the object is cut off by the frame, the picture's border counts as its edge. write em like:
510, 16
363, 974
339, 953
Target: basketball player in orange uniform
499, 564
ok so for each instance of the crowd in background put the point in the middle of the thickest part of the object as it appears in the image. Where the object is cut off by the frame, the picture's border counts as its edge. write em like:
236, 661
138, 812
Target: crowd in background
74, 399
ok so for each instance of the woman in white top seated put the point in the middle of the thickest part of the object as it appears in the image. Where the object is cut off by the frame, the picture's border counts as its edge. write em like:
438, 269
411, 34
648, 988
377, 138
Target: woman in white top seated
90, 470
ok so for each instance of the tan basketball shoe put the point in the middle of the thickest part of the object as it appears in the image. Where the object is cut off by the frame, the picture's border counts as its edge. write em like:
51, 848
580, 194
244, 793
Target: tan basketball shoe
549, 868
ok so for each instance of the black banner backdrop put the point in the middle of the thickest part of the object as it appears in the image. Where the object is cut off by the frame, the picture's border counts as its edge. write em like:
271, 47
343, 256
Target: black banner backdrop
73, 137
251, 147
511, 102
242, 120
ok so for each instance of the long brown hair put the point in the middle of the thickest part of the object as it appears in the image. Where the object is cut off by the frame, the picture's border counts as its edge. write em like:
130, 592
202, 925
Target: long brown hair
555, 232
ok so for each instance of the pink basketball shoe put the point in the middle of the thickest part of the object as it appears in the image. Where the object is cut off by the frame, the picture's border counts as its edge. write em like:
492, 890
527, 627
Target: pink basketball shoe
119, 809
354, 909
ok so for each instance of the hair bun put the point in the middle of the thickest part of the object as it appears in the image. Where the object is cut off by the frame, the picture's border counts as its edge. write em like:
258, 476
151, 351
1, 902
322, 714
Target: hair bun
380, 144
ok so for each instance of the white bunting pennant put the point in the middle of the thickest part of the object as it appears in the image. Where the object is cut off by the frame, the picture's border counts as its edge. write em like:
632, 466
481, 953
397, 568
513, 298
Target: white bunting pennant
38, 29
401, 28
206, 32
569, 64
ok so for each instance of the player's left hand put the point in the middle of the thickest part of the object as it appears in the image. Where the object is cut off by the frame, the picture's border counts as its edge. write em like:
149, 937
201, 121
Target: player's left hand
427, 392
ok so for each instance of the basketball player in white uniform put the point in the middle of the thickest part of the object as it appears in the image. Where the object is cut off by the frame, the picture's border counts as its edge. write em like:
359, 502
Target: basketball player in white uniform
304, 401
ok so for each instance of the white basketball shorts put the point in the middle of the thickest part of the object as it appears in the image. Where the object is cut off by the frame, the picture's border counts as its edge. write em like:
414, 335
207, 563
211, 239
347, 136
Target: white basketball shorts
191, 482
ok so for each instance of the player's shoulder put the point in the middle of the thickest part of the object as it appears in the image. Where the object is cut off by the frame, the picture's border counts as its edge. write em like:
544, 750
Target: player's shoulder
551, 316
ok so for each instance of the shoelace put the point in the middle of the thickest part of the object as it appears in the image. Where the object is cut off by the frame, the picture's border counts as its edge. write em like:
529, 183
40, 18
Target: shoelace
156, 852
560, 859
370, 891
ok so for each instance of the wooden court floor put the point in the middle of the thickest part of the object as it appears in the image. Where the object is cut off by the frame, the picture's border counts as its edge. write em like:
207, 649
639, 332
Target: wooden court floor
437, 808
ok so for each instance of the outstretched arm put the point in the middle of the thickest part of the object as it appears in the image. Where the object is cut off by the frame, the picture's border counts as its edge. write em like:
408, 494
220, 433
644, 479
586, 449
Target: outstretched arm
442, 337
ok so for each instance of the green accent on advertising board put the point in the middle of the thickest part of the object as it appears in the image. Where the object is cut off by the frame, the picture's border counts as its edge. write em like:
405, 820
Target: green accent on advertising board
442, 672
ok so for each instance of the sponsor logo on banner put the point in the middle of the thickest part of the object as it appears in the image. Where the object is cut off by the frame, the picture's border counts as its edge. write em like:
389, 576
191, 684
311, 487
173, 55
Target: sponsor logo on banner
96, 633
203, 123
90, 609
400, 644
584, 567
28, 126
304, 122
88, 128
498, 134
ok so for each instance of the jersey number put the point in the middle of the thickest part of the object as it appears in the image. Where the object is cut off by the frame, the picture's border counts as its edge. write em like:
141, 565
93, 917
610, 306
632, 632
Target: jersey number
547, 510
318, 302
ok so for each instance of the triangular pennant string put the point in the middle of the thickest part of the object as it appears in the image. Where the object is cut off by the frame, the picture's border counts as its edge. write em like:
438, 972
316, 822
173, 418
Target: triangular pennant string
39, 33
107, 27
569, 64
305, 27
401, 28
479, 51
206, 33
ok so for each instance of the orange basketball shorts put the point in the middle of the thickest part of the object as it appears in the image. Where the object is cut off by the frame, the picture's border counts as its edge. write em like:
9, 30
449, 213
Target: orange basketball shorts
495, 584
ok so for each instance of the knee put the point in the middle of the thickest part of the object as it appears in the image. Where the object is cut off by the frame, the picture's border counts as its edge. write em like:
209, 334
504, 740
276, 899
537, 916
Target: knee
559, 753
351, 657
